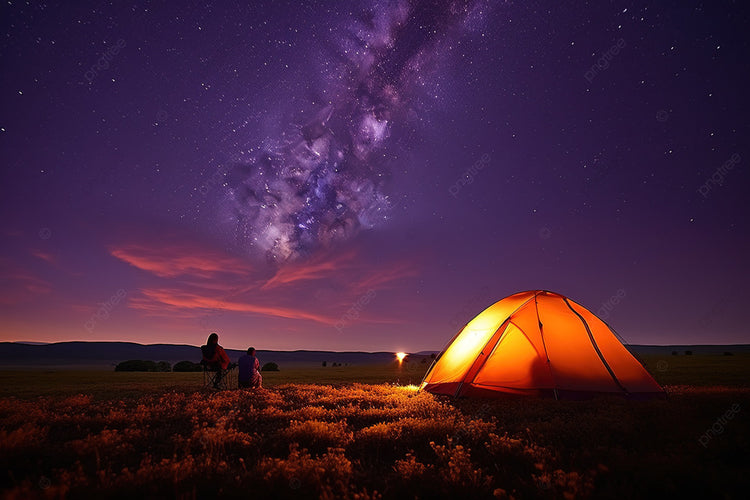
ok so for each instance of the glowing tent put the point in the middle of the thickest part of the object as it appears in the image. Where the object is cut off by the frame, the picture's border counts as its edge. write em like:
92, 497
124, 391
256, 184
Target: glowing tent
538, 343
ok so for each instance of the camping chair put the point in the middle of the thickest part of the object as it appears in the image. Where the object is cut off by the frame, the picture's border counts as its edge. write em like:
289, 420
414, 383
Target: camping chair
215, 377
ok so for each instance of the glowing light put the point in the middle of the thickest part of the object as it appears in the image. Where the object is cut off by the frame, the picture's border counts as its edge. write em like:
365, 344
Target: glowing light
400, 356
409, 388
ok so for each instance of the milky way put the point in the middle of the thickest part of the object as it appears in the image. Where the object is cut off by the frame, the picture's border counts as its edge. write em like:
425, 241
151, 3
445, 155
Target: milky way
329, 180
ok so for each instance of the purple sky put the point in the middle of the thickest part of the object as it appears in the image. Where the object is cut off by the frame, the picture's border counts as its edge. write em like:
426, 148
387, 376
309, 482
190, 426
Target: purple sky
370, 175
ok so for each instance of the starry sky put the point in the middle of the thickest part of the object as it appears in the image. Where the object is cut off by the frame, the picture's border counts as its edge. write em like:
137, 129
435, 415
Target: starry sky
370, 175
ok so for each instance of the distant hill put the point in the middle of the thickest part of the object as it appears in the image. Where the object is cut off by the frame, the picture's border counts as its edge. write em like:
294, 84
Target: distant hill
13, 354
107, 354
695, 349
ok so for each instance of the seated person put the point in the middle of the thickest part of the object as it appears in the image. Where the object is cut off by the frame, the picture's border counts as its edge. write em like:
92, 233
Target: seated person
214, 357
249, 375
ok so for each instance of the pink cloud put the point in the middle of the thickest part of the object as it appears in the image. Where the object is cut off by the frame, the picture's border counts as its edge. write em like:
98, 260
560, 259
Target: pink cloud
386, 275
203, 280
47, 257
22, 286
353, 273
322, 267
170, 261
182, 300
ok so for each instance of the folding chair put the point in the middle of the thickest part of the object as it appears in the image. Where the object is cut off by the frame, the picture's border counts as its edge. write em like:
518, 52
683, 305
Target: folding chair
216, 378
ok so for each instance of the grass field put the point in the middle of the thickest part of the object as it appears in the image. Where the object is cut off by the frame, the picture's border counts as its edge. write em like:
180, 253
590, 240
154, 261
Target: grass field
362, 432
105, 384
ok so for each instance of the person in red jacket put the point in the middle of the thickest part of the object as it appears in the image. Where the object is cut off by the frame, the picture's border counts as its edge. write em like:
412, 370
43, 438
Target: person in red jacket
215, 357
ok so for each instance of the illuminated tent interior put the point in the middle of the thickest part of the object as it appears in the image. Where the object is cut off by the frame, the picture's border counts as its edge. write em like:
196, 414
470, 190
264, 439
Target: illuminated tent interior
538, 343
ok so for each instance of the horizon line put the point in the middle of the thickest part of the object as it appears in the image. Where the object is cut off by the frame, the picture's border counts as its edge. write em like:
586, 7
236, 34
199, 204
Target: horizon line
37, 343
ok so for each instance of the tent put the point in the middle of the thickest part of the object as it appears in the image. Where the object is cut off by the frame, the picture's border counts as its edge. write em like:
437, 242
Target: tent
538, 343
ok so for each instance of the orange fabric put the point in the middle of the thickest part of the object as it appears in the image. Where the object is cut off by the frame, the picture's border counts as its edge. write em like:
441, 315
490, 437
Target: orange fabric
515, 364
629, 370
461, 353
537, 342
575, 364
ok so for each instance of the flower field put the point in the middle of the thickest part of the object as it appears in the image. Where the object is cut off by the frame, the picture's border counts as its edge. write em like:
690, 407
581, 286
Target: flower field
372, 441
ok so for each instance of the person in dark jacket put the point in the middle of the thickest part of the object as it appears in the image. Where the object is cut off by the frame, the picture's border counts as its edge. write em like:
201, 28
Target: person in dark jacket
249, 375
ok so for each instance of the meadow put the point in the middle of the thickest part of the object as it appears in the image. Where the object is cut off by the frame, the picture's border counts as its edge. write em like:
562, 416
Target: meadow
365, 432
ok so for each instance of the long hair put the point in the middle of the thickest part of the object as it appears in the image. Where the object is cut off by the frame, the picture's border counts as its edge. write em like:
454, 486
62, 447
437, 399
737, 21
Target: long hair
210, 347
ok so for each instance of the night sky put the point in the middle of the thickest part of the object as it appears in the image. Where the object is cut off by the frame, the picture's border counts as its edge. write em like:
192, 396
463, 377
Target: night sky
370, 175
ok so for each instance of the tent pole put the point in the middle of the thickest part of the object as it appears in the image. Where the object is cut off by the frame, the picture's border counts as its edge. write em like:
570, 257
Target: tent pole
544, 344
596, 347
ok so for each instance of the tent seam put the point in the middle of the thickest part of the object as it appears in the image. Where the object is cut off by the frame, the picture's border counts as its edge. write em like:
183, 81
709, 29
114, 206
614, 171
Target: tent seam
505, 323
596, 347
440, 355
544, 344
506, 320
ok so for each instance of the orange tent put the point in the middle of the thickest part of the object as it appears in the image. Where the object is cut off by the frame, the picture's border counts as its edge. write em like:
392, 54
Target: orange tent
538, 343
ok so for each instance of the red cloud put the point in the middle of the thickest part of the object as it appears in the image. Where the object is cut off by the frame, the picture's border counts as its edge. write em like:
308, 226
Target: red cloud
204, 280
374, 279
22, 286
186, 300
319, 268
44, 256
180, 260
354, 274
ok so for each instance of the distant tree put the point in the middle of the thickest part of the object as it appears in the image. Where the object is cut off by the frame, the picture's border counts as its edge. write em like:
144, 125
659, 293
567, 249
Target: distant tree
136, 365
688, 353
325, 363
433, 356
131, 365
270, 367
187, 366
163, 366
